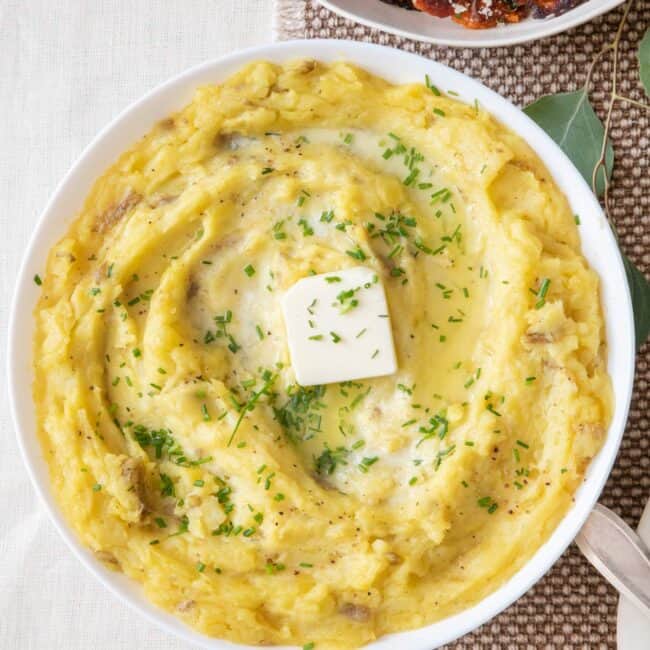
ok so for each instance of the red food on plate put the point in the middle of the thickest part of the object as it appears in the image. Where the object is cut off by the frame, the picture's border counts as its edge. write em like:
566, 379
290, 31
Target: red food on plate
439, 8
483, 14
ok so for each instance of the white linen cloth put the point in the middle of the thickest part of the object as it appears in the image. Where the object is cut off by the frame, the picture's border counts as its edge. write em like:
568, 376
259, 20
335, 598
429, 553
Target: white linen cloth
67, 67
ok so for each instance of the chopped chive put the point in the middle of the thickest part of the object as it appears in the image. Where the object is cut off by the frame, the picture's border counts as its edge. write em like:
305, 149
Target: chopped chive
205, 412
37, 280
493, 410
260, 333
335, 337
431, 86
357, 254
410, 179
249, 270
541, 293
439, 111
419, 244
307, 230
367, 462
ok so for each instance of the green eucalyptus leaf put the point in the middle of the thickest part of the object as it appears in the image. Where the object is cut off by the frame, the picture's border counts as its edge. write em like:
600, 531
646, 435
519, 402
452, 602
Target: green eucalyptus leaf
640, 291
571, 121
644, 61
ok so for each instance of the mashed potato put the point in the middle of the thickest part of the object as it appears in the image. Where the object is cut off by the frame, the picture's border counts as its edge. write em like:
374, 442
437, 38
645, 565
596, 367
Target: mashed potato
183, 452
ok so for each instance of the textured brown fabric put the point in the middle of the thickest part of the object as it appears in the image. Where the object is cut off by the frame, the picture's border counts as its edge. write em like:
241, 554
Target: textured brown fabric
572, 607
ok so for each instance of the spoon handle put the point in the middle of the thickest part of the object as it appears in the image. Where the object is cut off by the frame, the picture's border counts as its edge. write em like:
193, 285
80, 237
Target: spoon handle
619, 554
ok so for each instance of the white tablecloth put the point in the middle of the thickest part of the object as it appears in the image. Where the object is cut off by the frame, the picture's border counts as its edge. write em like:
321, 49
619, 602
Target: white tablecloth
66, 68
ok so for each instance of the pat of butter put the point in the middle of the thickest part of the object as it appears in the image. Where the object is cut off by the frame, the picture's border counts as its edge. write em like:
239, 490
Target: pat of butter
338, 327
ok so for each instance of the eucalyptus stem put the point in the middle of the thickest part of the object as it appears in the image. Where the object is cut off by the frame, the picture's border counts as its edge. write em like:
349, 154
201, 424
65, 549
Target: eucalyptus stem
592, 65
601, 164
634, 102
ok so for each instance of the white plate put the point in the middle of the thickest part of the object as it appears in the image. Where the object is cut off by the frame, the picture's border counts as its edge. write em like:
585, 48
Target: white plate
444, 31
598, 244
633, 627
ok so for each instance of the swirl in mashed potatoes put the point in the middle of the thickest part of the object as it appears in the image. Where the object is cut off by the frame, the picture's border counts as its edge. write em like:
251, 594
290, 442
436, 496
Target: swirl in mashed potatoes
181, 449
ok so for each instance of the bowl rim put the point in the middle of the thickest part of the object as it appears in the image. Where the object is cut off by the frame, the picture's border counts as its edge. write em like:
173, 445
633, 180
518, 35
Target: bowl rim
173, 94
496, 37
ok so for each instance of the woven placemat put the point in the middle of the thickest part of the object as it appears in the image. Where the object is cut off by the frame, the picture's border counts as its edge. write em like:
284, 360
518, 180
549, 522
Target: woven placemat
572, 606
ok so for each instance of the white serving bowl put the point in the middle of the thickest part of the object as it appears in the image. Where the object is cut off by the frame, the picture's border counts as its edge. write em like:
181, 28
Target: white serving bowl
444, 31
598, 244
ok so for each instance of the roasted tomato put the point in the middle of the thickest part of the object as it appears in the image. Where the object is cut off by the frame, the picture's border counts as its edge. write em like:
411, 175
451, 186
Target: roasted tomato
439, 8
482, 14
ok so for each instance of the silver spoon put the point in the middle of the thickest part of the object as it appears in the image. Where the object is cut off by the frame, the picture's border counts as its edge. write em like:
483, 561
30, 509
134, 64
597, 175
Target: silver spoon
619, 554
